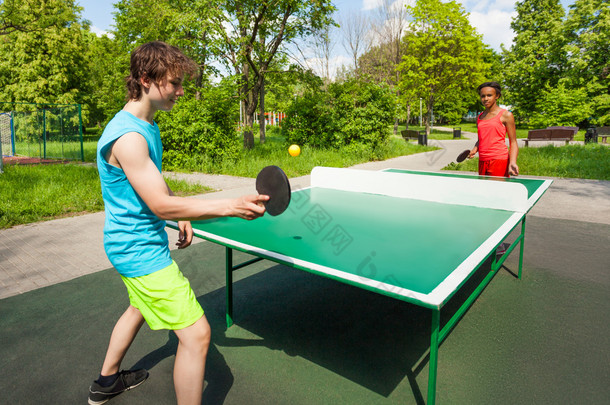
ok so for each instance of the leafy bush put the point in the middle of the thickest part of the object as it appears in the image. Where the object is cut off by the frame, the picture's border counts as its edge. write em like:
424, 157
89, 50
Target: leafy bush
352, 112
310, 121
362, 112
201, 130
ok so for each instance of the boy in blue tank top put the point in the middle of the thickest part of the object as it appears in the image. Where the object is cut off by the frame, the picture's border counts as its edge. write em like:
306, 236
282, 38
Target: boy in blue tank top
137, 202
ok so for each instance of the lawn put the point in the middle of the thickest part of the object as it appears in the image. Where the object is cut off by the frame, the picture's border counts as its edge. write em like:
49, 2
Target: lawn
41, 192
590, 161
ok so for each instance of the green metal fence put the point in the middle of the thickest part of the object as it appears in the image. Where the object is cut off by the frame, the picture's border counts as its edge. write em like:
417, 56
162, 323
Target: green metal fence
48, 131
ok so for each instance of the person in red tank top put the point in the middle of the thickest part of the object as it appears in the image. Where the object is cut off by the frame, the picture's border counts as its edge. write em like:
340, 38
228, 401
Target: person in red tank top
493, 124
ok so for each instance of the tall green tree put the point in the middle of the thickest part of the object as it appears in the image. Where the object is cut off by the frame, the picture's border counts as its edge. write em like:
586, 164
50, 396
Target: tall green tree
186, 24
32, 15
244, 38
44, 63
533, 62
108, 66
587, 53
242, 26
445, 59
562, 105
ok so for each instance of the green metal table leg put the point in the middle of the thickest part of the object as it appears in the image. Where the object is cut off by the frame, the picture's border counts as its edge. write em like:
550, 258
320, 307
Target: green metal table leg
521, 247
434, 341
229, 286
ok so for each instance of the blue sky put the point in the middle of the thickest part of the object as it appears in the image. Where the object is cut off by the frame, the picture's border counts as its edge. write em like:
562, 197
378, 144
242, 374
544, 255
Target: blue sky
491, 18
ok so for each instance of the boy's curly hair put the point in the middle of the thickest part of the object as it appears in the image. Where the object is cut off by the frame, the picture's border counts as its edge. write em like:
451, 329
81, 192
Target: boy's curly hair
156, 60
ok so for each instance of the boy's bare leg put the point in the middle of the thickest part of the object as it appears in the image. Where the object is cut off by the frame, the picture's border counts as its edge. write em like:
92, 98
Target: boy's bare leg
189, 367
123, 334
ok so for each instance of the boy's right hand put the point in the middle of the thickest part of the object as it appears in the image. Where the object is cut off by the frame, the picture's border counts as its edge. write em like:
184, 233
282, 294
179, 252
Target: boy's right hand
473, 152
249, 206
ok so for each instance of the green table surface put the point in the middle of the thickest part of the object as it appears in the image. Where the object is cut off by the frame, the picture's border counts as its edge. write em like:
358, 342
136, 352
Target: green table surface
403, 243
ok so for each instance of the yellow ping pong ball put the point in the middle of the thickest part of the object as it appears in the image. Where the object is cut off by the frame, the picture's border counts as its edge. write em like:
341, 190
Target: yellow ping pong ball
294, 150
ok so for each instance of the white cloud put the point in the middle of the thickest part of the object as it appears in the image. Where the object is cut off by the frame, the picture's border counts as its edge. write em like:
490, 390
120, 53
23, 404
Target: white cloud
371, 4
99, 32
494, 26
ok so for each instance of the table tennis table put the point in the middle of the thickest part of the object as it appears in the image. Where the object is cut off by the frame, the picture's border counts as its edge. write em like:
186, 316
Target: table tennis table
411, 235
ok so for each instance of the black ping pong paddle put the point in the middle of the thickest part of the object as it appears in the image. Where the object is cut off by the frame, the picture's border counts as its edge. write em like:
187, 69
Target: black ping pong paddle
462, 156
272, 181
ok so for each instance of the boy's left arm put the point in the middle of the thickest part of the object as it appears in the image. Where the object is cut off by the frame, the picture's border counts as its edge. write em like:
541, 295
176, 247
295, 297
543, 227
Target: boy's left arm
513, 150
185, 230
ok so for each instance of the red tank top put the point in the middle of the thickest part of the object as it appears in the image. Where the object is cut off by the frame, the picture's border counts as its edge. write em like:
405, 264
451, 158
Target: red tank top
492, 138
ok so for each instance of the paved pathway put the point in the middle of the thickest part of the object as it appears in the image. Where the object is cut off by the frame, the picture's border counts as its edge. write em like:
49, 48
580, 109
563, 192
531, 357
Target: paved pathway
46, 253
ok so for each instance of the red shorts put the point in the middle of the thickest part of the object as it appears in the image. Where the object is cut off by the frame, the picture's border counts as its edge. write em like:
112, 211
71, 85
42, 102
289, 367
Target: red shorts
496, 167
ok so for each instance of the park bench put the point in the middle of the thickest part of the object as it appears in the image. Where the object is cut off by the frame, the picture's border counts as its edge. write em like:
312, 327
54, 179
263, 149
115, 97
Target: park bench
409, 135
551, 134
604, 133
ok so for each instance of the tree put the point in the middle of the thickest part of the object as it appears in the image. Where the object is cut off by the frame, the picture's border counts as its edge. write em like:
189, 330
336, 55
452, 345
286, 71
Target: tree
108, 65
533, 62
587, 50
33, 15
562, 106
323, 46
44, 63
390, 27
187, 24
445, 58
240, 28
494, 73
356, 40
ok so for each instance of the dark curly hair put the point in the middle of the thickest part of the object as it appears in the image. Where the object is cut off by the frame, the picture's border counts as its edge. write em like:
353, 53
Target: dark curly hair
155, 60
493, 85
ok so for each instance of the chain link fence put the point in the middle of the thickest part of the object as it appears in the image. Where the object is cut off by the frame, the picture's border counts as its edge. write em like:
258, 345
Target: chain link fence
47, 131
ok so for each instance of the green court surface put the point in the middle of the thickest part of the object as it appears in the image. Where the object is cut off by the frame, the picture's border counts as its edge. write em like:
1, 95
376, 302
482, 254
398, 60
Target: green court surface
303, 339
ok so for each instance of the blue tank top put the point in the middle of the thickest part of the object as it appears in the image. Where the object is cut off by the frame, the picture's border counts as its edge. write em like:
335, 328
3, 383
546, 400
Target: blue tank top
135, 239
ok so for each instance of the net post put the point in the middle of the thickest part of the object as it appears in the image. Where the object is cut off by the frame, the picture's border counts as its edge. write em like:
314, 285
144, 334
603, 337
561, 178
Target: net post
521, 247
44, 132
80, 131
1, 164
432, 365
229, 285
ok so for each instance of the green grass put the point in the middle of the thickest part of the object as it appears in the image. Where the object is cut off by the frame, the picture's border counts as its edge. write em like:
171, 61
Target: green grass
58, 150
590, 161
42, 192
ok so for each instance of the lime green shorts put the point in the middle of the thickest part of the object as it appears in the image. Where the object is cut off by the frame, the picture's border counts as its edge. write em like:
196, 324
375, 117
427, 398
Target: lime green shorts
164, 298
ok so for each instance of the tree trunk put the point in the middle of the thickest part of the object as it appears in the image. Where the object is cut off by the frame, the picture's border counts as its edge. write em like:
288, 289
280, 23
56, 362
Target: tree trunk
395, 111
248, 109
429, 117
261, 114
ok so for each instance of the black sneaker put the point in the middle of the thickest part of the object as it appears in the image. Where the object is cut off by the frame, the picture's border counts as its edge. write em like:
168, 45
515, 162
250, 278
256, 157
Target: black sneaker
127, 380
